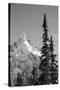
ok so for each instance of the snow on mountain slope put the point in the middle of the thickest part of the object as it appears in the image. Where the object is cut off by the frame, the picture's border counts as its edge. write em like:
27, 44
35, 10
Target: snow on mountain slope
23, 57
23, 39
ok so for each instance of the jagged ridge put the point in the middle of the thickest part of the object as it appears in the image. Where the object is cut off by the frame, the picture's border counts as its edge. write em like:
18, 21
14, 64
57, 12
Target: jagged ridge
24, 39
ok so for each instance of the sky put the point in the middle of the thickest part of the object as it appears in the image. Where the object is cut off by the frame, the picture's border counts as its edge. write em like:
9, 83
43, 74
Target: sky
28, 19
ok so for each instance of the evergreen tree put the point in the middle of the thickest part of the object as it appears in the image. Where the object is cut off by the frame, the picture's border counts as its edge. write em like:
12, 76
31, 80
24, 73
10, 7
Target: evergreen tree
19, 80
44, 66
54, 64
34, 76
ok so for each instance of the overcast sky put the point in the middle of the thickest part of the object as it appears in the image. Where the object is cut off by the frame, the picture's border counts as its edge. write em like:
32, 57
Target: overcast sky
29, 19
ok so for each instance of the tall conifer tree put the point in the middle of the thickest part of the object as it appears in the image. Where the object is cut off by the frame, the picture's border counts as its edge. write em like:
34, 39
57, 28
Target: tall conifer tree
44, 66
54, 64
34, 77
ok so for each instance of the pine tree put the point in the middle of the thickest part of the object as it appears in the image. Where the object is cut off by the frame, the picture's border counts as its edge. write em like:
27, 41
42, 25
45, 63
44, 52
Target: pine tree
44, 66
19, 80
34, 76
54, 64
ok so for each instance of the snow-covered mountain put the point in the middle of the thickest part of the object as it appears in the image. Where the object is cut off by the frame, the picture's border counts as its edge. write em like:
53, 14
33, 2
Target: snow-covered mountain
23, 56
27, 43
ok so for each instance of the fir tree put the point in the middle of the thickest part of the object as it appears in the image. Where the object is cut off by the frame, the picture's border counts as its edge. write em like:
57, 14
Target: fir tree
44, 66
54, 64
34, 76
19, 80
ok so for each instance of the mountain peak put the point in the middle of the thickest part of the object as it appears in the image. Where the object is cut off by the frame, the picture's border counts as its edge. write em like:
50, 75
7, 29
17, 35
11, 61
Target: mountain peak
24, 36
27, 43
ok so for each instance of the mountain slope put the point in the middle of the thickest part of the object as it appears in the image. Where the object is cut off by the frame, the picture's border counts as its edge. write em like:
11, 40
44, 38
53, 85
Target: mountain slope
23, 56
27, 43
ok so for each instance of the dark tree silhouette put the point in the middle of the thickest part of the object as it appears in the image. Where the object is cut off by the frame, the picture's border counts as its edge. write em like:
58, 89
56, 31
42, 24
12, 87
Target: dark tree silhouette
18, 80
34, 78
44, 66
54, 64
